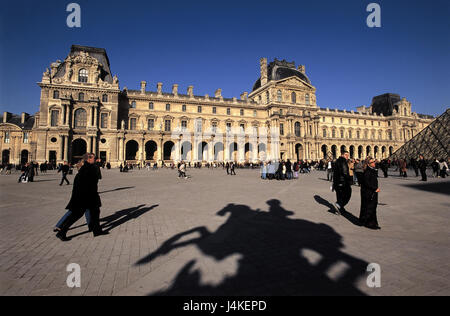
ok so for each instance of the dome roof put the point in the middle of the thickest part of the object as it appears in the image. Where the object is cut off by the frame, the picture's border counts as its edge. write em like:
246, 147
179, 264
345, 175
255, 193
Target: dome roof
278, 70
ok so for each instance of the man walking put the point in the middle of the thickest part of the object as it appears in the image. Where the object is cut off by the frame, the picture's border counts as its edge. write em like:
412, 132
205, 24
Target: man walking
85, 198
64, 169
232, 166
342, 182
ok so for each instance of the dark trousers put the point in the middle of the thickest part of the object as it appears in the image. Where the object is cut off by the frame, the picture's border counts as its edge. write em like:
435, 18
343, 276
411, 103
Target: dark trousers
359, 177
423, 172
368, 215
343, 194
232, 172
92, 217
64, 178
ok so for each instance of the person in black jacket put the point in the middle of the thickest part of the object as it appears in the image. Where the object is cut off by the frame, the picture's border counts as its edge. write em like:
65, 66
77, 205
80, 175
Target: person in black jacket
342, 182
64, 169
369, 196
423, 168
84, 199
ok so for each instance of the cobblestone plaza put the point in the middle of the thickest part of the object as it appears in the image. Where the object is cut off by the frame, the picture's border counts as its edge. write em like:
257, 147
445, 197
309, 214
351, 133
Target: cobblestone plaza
218, 235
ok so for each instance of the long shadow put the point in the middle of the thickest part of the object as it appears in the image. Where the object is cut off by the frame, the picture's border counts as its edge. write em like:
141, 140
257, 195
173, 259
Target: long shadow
349, 216
275, 256
442, 187
118, 189
119, 218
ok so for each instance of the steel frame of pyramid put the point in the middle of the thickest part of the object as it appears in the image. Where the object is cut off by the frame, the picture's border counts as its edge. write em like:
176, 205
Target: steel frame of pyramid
432, 142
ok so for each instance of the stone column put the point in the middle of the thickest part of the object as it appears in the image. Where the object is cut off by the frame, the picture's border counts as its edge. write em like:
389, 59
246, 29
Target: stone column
96, 116
161, 150
143, 149
121, 158
61, 153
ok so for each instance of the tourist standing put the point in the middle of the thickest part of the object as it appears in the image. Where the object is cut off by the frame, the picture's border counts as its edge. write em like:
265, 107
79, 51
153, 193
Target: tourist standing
422, 165
330, 170
369, 196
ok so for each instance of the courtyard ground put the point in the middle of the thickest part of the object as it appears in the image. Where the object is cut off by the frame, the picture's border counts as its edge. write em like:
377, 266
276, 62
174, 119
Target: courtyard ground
215, 234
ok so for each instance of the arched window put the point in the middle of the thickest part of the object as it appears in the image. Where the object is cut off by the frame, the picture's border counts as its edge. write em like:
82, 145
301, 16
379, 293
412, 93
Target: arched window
307, 98
279, 96
80, 118
150, 106
83, 76
105, 98
342, 133
405, 112
81, 96
324, 133
293, 97
350, 134
56, 94
297, 129
333, 133
54, 118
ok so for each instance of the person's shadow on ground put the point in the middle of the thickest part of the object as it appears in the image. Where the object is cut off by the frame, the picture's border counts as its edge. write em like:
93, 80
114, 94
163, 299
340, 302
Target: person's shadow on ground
120, 217
349, 216
273, 253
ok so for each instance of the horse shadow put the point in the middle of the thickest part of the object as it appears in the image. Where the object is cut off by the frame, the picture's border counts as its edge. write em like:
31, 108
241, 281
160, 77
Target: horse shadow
277, 256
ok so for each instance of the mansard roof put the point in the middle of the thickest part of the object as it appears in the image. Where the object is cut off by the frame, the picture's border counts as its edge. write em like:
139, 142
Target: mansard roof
16, 120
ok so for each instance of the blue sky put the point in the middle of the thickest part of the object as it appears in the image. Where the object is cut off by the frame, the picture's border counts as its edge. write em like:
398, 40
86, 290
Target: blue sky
216, 44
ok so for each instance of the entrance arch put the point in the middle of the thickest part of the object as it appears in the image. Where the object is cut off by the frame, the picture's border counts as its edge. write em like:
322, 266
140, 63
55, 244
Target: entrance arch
150, 149
169, 148
5, 156
186, 151
218, 151
24, 157
132, 148
360, 152
368, 151
352, 151
203, 151
233, 152
334, 151
324, 150
375, 152
79, 148
248, 152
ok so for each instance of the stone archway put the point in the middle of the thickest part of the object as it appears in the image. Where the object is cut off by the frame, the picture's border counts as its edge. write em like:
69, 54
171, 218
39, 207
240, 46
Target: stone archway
169, 149
218, 151
150, 150
24, 157
79, 148
6, 156
324, 150
186, 151
131, 150
299, 152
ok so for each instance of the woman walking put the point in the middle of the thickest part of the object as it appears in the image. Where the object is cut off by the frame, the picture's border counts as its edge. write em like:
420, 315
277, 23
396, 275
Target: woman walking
369, 196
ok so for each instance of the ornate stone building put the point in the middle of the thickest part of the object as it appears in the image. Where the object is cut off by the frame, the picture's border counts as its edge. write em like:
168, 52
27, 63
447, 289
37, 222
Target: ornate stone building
83, 109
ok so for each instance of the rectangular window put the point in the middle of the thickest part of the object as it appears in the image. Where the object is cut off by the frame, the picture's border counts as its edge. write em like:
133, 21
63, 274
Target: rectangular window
184, 124
358, 135
151, 124
54, 118
214, 110
242, 112
254, 113
104, 120
349, 134
390, 135
183, 108
281, 129
132, 124
310, 130
342, 134
167, 126
168, 107
324, 133
199, 125
150, 106
214, 127
242, 127
228, 127
199, 109
25, 137
228, 111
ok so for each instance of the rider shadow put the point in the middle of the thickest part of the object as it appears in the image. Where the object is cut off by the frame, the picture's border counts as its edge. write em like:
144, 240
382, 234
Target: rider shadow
278, 256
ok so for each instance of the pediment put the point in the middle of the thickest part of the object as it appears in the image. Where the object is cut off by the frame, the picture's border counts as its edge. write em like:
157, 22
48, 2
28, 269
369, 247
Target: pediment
296, 82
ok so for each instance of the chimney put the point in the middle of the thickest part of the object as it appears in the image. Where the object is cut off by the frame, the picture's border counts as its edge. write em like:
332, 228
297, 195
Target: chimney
159, 88
263, 64
190, 91
24, 117
6, 117
175, 90
218, 93
143, 86
301, 68
244, 96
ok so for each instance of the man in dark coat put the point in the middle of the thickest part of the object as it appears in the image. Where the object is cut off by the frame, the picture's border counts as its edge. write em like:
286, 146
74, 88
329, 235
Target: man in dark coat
85, 198
369, 197
342, 182
423, 168
64, 169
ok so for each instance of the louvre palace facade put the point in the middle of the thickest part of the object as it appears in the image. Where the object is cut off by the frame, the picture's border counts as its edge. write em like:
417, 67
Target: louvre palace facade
82, 109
